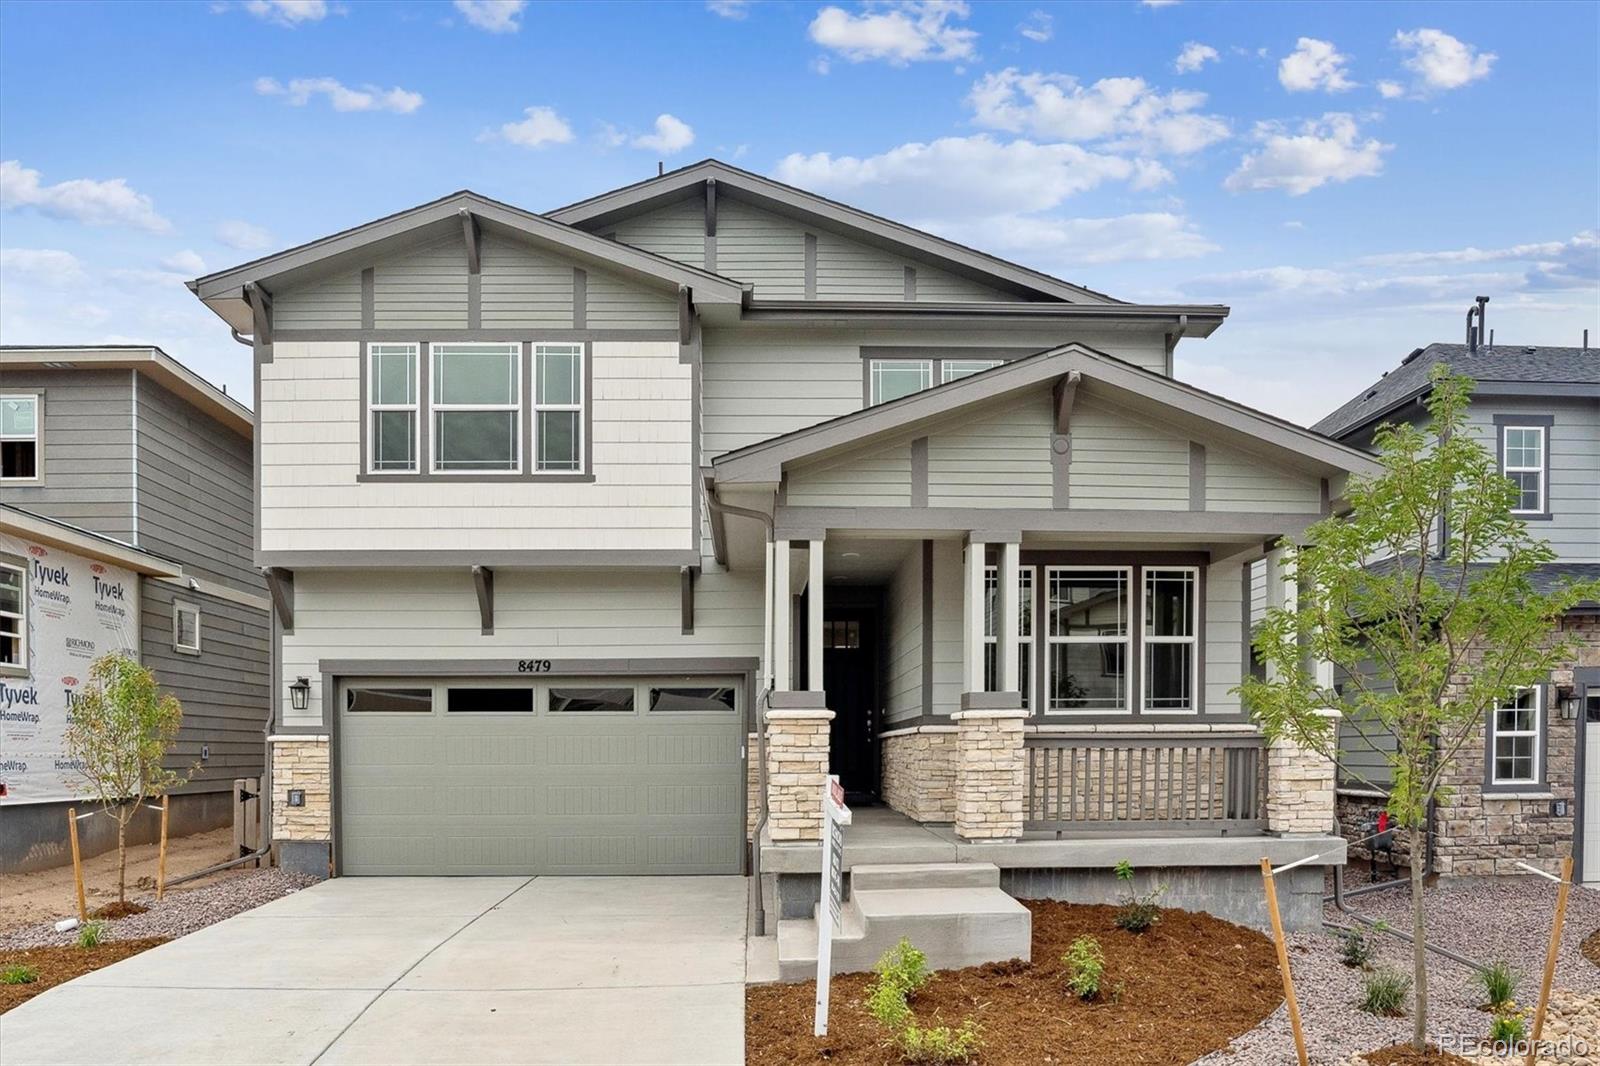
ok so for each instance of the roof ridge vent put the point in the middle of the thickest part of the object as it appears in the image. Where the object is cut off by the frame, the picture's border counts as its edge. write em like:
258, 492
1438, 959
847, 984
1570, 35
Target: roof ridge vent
1529, 350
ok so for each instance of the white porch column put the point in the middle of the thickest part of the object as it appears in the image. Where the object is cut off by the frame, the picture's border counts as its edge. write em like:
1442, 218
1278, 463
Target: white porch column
972, 619
1006, 616
782, 615
814, 597
1300, 782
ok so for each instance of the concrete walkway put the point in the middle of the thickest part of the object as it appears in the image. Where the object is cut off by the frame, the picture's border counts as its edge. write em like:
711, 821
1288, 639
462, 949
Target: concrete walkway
422, 970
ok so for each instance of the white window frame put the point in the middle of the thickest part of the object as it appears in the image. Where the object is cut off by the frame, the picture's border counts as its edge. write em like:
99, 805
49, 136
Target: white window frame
875, 366
1147, 640
1028, 575
374, 407
20, 667
179, 608
36, 438
1126, 641
945, 377
1539, 469
435, 407
1495, 733
539, 408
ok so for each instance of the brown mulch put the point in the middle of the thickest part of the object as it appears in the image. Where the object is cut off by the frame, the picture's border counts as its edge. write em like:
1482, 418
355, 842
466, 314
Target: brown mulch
1183, 988
55, 965
117, 909
1591, 947
1406, 1055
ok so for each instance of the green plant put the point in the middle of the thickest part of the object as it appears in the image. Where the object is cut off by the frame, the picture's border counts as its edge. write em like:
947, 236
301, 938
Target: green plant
939, 1044
1138, 912
1086, 964
1509, 1027
1356, 949
1384, 992
903, 966
90, 934
886, 1002
18, 975
1499, 984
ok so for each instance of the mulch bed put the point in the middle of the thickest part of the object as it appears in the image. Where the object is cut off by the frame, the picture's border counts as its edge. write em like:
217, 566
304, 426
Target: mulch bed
1406, 1055
117, 909
1591, 947
1183, 988
55, 965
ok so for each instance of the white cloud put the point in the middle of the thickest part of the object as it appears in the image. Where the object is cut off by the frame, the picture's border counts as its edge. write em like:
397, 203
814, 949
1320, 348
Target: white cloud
729, 9
43, 266
288, 12
541, 126
1313, 65
1323, 150
1067, 242
1552, 264
493, 16
1038, 26
187, 262
671, 135
1160, 3
94, 203
1440, 61
1294, 223
899, 32
1194, 56
1126, 113
1391, 90
299, 92
243, 236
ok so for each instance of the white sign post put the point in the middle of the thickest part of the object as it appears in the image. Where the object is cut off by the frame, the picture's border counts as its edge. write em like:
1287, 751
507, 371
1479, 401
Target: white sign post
835, 816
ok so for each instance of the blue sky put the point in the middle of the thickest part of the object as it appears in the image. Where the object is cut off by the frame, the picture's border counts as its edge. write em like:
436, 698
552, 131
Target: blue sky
1346, 176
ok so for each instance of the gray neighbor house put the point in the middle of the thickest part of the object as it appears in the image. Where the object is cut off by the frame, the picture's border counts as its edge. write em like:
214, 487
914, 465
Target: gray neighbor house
1530, 791
596, 538
125, 523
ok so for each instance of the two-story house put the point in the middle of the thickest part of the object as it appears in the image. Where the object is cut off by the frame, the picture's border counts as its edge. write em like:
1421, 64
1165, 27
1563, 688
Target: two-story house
1530, 790
599, 536
125, 524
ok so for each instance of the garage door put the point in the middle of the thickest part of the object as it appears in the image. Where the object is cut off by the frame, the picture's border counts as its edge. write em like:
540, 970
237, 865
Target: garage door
580, 776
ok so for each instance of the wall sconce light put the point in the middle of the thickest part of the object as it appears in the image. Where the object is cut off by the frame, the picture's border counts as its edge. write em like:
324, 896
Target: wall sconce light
1567, 701
300, 693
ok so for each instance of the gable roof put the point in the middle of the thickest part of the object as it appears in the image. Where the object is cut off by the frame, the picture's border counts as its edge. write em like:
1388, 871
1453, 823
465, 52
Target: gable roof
146, 359
1499, 371
787, 199
1183, 407
223, 291
28, 525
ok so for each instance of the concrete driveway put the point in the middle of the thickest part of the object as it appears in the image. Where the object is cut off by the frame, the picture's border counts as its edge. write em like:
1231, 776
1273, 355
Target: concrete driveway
423, 970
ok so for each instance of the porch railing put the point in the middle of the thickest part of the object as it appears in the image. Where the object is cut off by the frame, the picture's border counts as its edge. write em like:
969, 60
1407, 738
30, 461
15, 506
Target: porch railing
1097, 783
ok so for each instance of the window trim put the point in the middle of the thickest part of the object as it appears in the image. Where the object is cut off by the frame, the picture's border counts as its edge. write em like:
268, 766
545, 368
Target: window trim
1491, 781
581, 382
1545, 424
1147, 639
21, 668
1129, 570
37, 437
178, 607
517, 406
369, 384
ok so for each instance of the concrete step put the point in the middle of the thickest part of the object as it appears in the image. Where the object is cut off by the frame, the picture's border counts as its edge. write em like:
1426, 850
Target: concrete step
887, 876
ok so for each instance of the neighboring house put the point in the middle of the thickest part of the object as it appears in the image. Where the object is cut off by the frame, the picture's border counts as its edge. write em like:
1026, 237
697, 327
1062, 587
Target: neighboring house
558, 509
1530, 789
120, 456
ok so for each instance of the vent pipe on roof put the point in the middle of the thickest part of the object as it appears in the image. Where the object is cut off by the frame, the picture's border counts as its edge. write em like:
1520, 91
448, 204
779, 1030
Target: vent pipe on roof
1585, 340
661, 168
1483, 319
1472, 329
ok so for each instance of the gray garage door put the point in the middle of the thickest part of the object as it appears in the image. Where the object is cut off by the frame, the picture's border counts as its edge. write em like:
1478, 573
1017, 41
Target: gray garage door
581, 776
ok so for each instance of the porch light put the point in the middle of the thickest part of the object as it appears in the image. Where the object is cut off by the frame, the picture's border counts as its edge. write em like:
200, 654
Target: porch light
300, 693
1567, 701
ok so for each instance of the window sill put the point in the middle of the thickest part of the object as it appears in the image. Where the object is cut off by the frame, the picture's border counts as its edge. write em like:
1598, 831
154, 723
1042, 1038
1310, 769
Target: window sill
1504, 792
576, 478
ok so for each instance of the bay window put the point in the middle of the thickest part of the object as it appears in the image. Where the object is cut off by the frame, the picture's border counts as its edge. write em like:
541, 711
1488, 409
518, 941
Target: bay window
477, 408
1170, 639
1086, 638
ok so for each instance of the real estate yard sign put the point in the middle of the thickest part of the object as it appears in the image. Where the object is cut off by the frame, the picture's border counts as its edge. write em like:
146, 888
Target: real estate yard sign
835, 816
77, 611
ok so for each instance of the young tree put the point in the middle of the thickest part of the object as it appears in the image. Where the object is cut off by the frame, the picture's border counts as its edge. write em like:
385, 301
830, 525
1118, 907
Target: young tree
1428, 582
119, 730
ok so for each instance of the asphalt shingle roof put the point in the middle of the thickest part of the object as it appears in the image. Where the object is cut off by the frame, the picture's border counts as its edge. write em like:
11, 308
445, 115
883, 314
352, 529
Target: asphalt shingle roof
1502, 363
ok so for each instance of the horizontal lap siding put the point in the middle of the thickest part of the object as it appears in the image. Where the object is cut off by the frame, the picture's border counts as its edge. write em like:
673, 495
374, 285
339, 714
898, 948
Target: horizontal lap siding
881, 479
521, 286
1001, 459
425, 288
615, 303
850, 270
948, 595
88, 448
641, 498
1224, 637
904, 673
677, 231
939, 286
433, 614
764, 249
1574, 442
1119, 461
1364, 751
328, 303
1238, 481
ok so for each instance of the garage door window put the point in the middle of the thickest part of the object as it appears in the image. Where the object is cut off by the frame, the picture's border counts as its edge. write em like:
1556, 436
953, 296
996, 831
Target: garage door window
389, 700
718, 698
489, 701
591, 700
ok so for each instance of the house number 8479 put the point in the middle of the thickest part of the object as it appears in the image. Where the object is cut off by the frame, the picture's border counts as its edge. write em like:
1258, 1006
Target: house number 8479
533, 666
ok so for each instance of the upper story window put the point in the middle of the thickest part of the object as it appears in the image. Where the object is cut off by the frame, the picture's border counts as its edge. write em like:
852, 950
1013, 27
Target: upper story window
1514, 729
890, 379
558, 407
19, 437
477, 408
955, 369
1086, 637
13, 617
1524, 459
1171, 638
392, 403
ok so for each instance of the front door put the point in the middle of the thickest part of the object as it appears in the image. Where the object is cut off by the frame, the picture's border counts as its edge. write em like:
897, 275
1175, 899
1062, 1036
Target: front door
850, 676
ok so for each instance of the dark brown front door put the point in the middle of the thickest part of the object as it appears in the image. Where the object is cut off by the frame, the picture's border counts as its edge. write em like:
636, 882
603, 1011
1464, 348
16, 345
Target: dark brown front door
850, 676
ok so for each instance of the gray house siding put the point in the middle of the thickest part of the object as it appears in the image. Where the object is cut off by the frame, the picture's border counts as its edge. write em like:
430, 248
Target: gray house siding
87, 449
1573, 528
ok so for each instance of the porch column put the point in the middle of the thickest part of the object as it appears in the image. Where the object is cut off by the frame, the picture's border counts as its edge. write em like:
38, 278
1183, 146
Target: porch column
991, 774
1300, 782
1006, 617
814, 597
782, 613
972, 605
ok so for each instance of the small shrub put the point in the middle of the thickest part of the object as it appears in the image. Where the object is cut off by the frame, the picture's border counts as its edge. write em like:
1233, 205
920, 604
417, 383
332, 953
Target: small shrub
1384, 992
1509, 1027
1356, 949
939, 1044
1499, 984
1086, 964
18, 975
1137, 912
887, 1003
904, 967
90, 934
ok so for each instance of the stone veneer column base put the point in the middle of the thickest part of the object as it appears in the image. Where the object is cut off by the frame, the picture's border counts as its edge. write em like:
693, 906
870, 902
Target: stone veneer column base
919, 772
303, 835
1300, 789
991, 774
797, 765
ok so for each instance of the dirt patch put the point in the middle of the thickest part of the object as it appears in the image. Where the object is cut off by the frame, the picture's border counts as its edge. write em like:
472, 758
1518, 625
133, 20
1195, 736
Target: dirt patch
1185, 987
1591, 947
120, 909
1406, 1055
57, 964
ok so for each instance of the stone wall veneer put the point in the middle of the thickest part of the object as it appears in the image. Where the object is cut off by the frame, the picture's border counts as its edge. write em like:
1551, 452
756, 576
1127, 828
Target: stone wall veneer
919, 773
1300, 798
301, 762
797, 765
991, 774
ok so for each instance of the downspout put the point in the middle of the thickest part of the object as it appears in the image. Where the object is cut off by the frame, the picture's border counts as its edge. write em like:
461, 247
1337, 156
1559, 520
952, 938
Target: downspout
762, 703
1338, 898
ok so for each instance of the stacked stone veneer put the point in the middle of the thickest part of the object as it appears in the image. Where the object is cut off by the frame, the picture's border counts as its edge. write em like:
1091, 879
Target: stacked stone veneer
797, 765
991, 774
1300, 784
302, 762
919, 772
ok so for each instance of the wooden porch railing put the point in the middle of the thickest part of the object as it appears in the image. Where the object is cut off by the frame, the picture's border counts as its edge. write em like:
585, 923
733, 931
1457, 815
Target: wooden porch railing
1097, 783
